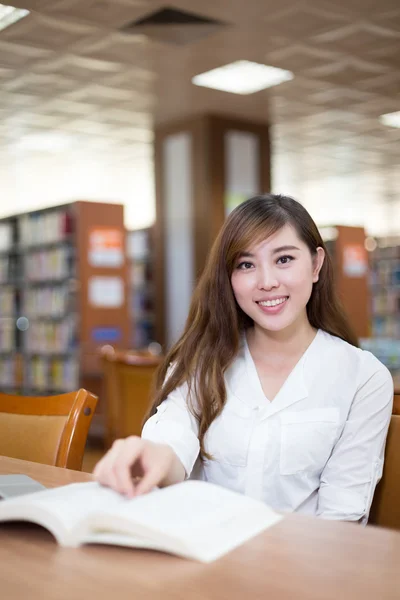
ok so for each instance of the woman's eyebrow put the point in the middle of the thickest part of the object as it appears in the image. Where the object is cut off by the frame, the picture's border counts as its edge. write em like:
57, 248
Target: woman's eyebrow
284, 249
245, 255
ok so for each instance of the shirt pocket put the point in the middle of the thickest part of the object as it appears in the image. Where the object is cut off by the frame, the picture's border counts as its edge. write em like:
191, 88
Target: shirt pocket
307, 439
228, 437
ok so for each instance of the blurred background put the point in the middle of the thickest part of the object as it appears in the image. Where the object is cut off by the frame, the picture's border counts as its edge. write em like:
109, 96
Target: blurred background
123, 148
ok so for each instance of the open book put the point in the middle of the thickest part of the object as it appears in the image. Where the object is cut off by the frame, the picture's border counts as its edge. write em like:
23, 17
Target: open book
193, 519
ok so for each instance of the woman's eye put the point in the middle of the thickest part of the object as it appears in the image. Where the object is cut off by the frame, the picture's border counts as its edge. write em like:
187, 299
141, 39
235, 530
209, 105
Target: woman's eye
284, 260
244, 266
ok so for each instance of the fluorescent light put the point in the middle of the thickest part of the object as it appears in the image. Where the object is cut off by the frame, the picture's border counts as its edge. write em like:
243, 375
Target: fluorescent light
10, 15
391, 119
242, 77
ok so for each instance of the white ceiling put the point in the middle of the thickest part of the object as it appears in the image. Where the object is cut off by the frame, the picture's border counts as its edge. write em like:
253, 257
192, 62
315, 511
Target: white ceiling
67, 69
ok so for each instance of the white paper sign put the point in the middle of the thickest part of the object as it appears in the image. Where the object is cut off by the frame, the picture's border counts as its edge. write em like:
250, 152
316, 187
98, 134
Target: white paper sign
106, 292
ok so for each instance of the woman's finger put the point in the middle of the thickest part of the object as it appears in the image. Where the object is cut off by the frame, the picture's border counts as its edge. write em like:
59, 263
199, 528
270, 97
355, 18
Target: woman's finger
103, 472
128, 455
152, 477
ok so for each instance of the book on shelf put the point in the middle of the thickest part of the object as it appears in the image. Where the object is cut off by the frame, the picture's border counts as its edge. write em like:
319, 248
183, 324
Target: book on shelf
6, 237
47, 227
7, 372
192, 519
7, 337
139, 251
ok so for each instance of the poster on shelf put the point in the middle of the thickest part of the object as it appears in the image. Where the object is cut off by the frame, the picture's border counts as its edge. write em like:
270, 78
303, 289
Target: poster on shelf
355, 263
106, 292
106, 247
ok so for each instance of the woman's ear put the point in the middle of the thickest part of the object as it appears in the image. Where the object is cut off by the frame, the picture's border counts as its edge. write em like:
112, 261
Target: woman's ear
318, 262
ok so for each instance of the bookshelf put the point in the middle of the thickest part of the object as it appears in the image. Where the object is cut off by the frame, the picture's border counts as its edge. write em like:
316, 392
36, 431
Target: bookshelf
385, 305
9, 301
142, 299
385, 287
63, 293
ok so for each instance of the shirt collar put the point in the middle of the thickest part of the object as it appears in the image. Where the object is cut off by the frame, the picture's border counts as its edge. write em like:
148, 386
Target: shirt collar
243, 381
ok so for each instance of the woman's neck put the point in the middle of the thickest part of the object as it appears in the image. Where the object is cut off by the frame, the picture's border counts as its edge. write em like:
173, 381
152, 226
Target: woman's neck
277, 345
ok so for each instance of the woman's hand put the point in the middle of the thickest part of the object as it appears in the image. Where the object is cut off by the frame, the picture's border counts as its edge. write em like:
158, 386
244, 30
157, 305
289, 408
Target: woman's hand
134, 466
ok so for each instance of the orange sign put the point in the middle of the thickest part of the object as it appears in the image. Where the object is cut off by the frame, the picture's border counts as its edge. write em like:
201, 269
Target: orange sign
106, 247
355, 262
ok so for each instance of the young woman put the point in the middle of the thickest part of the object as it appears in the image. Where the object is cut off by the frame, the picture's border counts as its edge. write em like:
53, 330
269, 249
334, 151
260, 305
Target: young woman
266, 392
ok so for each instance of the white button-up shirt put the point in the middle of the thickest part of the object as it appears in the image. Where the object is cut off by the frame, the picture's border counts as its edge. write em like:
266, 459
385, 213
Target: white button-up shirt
317, 449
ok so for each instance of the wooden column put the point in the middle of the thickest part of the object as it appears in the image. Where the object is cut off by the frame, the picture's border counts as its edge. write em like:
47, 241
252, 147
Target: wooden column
204, 166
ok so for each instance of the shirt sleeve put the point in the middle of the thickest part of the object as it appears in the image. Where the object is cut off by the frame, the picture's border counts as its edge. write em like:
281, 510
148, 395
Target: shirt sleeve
350, 476
175, 425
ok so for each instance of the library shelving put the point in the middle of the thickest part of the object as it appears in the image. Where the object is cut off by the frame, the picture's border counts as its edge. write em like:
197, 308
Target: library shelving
142, 293
385, 288
385, 305
63, 293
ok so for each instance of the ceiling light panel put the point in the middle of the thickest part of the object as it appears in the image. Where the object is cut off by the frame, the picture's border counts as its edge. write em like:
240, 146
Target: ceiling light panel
242, 77
391, 119
10, 15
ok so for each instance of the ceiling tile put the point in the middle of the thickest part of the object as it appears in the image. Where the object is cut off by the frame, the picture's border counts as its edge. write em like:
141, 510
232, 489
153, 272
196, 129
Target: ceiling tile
367, 8
44, 32
108, 13
119, 48
347, 73
353, 38
303, 21
99, 94
298, 58
78, 67
386, 85
64, 107
19, 56
40, 85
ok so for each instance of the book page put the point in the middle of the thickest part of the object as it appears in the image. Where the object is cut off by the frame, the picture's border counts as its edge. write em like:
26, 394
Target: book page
186, 505
204, 519
60, 509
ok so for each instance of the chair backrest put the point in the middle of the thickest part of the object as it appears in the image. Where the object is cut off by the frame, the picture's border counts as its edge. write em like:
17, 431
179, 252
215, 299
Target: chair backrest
385, 509
128, 379
50, 430
396, 402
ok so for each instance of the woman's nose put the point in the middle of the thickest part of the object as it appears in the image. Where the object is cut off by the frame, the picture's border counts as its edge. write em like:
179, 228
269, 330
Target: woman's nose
267, 280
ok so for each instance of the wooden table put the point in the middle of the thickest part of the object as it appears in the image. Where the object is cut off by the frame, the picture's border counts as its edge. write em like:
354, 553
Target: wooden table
300, 558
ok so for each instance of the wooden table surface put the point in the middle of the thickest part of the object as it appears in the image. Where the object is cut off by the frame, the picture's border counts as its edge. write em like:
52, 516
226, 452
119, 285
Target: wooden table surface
300, 558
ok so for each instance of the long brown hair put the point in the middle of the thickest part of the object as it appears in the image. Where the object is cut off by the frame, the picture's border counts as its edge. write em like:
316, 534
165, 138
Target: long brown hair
215, 323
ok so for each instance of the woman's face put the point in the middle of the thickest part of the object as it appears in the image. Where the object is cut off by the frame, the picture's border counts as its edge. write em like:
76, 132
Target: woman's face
272, 281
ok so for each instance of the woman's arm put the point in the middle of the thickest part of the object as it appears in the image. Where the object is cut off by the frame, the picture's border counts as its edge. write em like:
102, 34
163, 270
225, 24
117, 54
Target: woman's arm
164, 455
355, 466
174, 425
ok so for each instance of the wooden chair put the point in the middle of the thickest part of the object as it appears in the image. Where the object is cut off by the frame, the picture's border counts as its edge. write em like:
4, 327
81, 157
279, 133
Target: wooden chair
385, 509
396, 402
128, 380
50, 430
